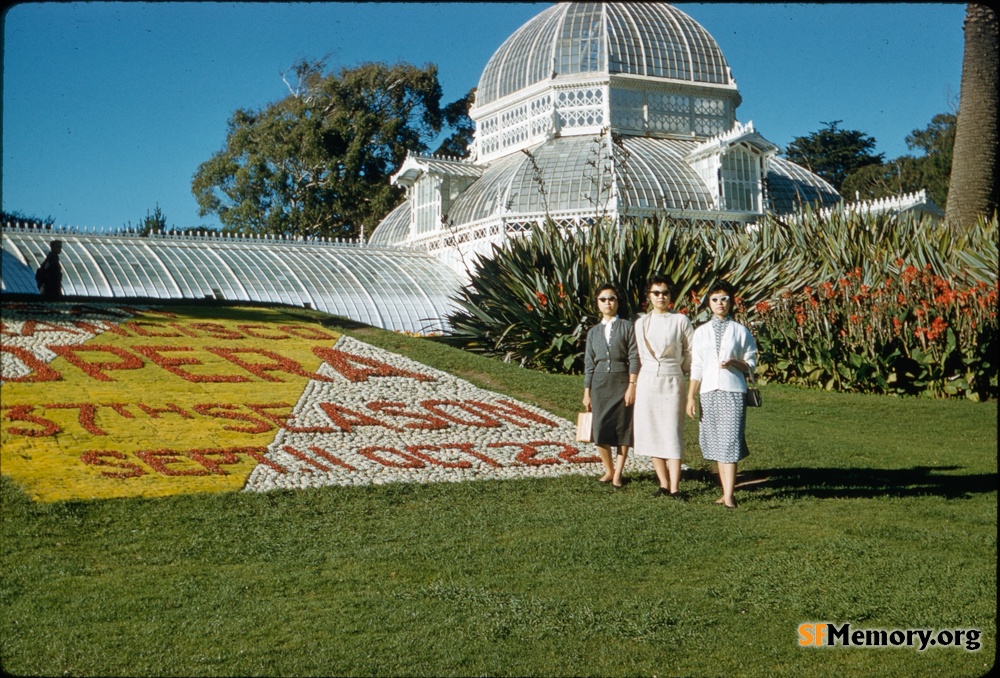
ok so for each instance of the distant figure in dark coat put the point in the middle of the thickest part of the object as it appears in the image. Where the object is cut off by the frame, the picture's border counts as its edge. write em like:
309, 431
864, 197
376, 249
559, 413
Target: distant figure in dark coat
48, 277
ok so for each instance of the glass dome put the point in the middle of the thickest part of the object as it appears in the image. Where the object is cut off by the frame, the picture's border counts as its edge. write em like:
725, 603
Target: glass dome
626, 110
651, 40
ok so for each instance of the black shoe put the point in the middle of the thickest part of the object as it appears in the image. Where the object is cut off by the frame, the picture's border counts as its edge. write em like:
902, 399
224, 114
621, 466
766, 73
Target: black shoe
678, 496
660, 492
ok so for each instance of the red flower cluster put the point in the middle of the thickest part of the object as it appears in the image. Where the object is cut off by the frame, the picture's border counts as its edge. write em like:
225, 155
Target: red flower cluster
916, 316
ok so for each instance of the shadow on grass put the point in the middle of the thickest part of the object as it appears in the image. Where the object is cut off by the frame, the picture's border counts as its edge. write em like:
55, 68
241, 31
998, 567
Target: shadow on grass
918, 481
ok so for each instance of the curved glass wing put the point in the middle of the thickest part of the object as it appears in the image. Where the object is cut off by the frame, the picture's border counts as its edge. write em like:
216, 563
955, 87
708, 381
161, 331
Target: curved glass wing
393, 289
790, 186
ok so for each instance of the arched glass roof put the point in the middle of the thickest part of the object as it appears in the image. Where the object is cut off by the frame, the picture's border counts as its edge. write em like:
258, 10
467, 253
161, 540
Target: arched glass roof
657, 177
389, 288
647, 39
394, 228
653, 174
789, 186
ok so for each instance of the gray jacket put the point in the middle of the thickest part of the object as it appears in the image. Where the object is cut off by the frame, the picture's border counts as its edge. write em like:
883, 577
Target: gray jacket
621, 354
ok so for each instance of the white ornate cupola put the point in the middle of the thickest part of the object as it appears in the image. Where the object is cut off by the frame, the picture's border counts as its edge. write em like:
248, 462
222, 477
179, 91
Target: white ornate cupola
733, 166
432, 183
577, 68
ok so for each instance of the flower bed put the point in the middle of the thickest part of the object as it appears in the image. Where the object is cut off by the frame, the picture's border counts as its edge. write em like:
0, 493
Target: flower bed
105, 400
385, 418
915, 333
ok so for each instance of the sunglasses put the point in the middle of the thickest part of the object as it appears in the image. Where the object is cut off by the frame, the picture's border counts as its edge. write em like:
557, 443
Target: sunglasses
659, 293
719, 300
607, 299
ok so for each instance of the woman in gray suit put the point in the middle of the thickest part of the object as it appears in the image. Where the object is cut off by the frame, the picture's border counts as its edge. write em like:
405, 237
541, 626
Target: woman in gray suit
611, 369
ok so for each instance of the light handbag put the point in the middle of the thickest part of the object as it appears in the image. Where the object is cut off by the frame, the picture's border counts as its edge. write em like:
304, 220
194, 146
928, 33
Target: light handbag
585, 427
752, 396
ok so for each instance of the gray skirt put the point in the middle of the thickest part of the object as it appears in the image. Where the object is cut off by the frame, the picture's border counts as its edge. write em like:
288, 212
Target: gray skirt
722, 427
612, 420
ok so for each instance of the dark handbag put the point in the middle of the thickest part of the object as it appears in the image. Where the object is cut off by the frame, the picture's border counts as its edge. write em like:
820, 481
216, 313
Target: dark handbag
752, 397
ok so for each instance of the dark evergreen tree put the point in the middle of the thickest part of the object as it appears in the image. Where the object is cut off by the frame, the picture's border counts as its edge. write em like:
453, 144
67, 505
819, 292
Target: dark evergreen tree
834, 154
456, 116
929, 170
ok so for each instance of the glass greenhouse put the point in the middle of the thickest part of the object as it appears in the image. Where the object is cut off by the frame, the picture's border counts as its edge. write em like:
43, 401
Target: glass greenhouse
621, 110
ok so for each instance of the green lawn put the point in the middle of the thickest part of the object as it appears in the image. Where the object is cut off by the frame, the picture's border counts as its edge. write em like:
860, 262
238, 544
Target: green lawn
877, 511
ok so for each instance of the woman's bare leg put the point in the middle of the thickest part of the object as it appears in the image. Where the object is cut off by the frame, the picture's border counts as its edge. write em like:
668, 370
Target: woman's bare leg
616, 479
609, 469
727, 478
674, 466
660, 466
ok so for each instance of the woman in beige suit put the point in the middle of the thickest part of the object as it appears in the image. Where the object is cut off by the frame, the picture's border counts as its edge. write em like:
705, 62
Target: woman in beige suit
664, 342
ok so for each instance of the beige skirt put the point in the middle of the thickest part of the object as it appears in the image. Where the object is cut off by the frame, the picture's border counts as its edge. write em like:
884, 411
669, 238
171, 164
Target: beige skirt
658, 416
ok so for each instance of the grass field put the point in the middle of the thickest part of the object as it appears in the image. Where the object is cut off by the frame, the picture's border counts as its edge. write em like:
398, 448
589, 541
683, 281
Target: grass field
877, 511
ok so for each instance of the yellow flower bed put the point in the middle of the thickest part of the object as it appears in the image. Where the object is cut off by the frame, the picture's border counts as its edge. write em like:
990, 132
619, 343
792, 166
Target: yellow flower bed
146, 401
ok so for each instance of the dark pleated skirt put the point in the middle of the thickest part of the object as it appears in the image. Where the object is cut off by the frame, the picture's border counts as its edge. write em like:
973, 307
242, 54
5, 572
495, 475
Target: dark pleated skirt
612, 420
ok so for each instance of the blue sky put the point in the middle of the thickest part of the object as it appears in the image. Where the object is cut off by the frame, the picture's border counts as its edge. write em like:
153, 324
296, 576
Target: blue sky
109, 108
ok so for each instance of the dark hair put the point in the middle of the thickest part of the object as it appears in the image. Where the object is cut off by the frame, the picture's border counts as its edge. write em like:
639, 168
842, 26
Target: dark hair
720, 286
607, 286
660, 279
622, 303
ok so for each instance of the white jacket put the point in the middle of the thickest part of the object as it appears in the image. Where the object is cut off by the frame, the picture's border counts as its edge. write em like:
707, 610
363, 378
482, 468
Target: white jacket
737, 343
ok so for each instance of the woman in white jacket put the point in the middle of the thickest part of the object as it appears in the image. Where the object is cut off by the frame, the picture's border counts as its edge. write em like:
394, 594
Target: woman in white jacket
722, 351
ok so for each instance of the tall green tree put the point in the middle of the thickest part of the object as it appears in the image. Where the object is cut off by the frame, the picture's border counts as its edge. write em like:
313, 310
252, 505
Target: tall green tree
456, 116
977, 135
930, 169
317, 163
833, 153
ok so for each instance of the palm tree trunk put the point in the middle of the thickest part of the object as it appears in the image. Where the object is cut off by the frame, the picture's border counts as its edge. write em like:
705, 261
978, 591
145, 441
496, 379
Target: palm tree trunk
973, 189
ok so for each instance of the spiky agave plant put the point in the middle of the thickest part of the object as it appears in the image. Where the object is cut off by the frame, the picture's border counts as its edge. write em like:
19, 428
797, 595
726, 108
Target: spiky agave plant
827, 246
532, 299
